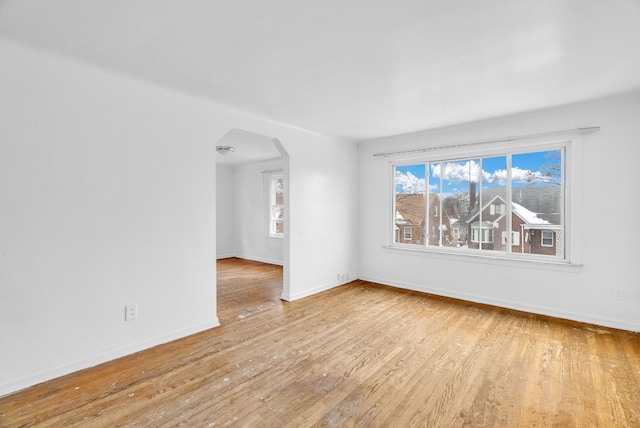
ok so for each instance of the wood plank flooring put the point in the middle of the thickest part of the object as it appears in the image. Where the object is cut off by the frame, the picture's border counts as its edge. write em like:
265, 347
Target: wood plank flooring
361, 355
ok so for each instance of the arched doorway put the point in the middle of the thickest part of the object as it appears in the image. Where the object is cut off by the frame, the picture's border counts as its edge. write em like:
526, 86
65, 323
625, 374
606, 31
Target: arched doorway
245, 212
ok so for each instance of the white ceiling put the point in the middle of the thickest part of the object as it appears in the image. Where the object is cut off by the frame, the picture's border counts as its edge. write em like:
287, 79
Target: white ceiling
249, 147
356, 69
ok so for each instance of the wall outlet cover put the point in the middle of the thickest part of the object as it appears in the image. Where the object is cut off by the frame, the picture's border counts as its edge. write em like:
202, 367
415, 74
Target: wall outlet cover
130, 312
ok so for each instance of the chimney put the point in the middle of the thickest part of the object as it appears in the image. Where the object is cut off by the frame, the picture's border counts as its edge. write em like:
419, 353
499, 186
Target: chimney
472, 194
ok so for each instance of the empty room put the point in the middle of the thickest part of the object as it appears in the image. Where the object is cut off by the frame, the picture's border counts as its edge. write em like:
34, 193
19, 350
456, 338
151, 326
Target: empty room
345, 213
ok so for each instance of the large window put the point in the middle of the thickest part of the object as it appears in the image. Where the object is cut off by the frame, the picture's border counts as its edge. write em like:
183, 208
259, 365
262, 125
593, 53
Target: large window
505, 203
276, 205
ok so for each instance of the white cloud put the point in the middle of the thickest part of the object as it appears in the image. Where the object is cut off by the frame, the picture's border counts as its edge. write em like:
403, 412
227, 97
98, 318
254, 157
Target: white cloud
458, 172
462, 173
470, 171
409, 183
518, 174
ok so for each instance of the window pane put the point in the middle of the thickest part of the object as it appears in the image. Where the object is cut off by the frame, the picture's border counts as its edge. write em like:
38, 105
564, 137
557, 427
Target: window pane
433, 224
459, 197
277, 212
409, 203
537, 181
276, 205
278, 191
491, 215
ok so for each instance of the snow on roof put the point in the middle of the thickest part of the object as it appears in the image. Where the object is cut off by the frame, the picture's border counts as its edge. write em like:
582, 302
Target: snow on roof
528, 216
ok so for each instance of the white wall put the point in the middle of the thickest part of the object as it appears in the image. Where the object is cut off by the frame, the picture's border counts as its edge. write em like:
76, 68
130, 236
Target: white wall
108, 198
250, 212
225, 211
610, 201
322, 225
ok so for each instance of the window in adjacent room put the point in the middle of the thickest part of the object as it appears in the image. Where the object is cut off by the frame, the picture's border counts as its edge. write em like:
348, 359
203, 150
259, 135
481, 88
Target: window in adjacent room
276, 205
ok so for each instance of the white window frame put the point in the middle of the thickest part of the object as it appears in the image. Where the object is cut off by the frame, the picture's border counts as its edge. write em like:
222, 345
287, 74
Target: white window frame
270, 179
542, 238
407, 236
481, 234
568, 142
515, 238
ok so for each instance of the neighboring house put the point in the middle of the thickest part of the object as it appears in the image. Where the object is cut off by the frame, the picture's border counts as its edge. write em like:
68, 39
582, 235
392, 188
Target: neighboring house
537, 236
457, 209
410, 223
458, 231
530, 233
439, 225
545, 201
535, 220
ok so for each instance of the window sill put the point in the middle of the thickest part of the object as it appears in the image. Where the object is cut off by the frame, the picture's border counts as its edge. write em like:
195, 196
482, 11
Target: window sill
468, 257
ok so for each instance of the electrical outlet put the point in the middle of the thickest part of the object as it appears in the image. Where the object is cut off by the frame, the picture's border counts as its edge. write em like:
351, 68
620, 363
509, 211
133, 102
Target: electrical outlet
617, 294
130, 312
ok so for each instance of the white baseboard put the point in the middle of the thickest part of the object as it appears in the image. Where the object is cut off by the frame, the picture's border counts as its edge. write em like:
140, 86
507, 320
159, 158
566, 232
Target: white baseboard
573, 316
14, 385
224, 256
259, 259
306, 293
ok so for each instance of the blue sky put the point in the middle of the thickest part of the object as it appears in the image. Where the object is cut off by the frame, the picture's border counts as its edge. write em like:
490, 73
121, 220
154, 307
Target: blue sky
456, 174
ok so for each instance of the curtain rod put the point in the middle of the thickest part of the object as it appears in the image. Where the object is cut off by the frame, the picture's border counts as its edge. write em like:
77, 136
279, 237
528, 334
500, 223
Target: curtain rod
493, 140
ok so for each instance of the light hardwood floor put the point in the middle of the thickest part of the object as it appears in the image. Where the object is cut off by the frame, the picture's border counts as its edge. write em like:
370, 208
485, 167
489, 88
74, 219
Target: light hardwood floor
358, 355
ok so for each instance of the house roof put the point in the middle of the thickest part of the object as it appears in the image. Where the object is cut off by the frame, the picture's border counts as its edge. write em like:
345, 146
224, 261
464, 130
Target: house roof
544, 201
410, 208
526, 215
539, 199
474, 213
